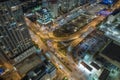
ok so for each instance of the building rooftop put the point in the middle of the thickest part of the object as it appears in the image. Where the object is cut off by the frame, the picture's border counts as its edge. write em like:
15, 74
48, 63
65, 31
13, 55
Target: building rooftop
3, 0
112, 51
40, 70
104, 74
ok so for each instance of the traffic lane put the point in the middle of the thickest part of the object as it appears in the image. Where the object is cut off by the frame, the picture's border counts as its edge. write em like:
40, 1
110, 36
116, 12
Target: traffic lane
76, 35
72, 69
69, 62
38, 41
61, 66
75, 71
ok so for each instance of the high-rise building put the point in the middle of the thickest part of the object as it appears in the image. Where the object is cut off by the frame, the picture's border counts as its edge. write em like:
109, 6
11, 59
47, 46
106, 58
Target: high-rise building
53, 6
44, 3
67, 5
64, 5
15, 41
82, 2
28, 5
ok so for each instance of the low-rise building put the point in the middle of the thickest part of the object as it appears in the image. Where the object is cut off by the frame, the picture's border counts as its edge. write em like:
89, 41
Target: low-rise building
43, 71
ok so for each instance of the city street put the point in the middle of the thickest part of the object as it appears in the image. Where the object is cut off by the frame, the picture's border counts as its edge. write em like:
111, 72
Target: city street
74, 73
64, 64
59, 39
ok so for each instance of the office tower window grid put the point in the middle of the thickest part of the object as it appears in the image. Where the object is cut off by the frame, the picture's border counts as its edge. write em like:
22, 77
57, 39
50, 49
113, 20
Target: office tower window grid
14, 35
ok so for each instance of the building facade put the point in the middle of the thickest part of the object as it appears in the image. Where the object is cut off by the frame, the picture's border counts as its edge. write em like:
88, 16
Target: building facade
15, 41
53, 6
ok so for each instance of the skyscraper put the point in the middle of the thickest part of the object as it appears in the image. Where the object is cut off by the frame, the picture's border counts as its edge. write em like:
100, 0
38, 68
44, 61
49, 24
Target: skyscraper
15, 41
53, 6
